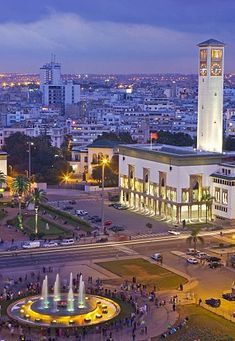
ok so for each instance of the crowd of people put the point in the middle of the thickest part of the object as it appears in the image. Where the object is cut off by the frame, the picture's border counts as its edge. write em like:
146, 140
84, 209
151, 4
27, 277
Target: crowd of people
132, 294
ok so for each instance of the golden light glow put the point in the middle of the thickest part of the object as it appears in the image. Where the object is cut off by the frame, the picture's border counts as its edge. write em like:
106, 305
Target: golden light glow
105, 161
95, 316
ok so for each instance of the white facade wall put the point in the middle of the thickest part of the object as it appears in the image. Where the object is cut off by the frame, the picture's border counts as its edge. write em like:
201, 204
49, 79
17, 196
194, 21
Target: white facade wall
210, 107
177, 177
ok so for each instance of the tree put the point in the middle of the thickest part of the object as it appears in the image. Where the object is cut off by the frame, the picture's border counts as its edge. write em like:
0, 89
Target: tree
37, 197
122, 137
2, 178
20, 186
209, 201
174, 139
194, 238
47, 162
110, 172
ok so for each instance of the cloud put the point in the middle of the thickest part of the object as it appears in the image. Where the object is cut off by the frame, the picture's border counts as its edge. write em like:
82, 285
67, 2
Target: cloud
99, 46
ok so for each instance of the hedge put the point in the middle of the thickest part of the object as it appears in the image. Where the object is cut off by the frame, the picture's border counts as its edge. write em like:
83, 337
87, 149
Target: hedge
84, 225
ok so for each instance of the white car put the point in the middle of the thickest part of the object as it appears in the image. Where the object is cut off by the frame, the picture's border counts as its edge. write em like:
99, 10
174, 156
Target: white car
202, 255
66, 242
50, 244
81, 212
192, 260
173, 232
157, 257
31, 245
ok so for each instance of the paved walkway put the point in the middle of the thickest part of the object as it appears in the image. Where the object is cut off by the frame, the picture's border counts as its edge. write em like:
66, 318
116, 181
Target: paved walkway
157, 319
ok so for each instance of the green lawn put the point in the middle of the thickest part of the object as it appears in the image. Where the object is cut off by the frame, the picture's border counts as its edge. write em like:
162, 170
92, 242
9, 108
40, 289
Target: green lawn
54, 229
203, 325
145, 273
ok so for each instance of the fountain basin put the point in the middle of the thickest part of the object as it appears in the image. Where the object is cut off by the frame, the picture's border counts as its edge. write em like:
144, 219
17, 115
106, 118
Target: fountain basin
29, 311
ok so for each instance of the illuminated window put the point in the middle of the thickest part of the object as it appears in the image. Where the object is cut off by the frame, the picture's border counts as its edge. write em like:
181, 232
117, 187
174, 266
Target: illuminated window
203, 54
217, 194
216, 54
224, 197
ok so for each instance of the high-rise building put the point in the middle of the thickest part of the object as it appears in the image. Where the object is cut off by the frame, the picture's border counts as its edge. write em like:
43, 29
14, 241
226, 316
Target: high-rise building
50, 74
210, 96
55, 93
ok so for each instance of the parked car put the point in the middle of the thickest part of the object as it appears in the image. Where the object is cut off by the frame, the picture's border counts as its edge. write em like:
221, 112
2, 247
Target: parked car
108, 223
72, 202
157, 256
114, 204
192, 252
214, 265
117, 228
229, 296
67, 208
173, 232
66, 242
13, 248
122, 207
102, 240
213, 302
192, 260
213, 259
202, 255
51, 243
81, 212
95, 219
31, 245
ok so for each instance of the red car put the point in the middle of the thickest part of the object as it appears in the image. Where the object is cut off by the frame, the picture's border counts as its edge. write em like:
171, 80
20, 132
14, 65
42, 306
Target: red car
108, 223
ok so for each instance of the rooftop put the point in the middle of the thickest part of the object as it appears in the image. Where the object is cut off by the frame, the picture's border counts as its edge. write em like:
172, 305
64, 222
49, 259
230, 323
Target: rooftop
172, 150
104, 144
211, 42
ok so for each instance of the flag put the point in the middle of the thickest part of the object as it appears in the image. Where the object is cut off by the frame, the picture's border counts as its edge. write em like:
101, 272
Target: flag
154, 136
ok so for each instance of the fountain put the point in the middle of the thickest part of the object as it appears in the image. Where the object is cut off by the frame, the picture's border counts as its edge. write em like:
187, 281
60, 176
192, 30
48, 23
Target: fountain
59, 309
44, 294
81, 294
57, 288
71, 281
70, 301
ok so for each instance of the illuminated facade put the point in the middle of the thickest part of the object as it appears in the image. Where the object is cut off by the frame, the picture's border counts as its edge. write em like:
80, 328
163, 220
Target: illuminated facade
184, 183
210, 96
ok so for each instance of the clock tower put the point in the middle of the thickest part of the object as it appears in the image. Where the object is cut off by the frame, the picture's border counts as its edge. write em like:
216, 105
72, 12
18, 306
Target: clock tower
210, 96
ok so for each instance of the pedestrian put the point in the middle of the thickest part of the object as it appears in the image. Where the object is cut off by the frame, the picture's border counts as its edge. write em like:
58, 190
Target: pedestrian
199, 301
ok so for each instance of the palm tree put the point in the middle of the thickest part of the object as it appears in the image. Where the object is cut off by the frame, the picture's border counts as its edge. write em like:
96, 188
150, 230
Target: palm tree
194, 238
20, 186
2, 178
208, 200
37, 197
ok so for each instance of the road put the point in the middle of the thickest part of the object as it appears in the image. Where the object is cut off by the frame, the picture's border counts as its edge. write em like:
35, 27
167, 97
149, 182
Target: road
92, 251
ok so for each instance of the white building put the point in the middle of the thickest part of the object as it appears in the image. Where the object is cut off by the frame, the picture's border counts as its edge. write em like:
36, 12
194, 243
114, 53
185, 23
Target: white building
210, 96
183, 183
50, 74
55, 93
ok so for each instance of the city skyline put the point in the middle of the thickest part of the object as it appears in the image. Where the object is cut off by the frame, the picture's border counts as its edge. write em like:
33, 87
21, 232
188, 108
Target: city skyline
123, 38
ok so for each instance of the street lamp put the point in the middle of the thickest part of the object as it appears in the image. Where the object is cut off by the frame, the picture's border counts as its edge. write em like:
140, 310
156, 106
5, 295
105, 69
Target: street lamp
29, 172
104, 162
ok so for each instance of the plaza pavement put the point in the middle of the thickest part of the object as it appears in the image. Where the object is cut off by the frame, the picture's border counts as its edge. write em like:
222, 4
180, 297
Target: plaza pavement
156, 319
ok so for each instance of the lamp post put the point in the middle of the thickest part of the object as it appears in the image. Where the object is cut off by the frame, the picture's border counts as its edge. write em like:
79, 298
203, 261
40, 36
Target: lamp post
36, 219
30, 144
103, 162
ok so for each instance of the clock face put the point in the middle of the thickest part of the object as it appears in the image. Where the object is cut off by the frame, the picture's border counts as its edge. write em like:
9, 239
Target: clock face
203, 69
216, 69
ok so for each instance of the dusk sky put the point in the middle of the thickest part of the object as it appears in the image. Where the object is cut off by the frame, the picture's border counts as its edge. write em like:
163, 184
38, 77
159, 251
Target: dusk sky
113, 36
